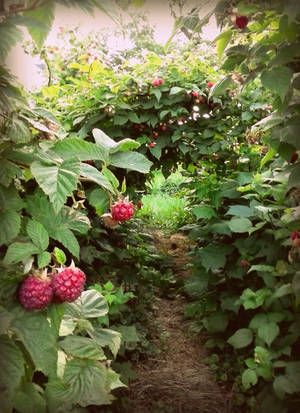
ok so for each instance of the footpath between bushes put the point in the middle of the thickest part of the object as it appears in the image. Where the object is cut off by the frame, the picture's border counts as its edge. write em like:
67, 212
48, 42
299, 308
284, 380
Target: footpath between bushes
177, 380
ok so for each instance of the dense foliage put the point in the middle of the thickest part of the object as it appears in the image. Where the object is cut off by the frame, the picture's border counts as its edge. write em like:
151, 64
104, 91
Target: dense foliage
109, 120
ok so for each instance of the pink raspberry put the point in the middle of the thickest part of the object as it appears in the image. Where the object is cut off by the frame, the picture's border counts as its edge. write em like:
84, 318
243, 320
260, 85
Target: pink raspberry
35, 293
68, 284
122, 211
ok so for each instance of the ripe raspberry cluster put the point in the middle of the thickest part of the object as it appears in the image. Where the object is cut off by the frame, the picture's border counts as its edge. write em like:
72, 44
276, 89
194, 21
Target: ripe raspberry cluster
122, 211
37, 291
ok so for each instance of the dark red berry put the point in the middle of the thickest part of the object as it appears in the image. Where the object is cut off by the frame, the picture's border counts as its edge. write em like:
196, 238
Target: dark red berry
244, 263
122, 211
202, 99
294, 157
139, 204
294, 235
68, 284
35, 293
241, 22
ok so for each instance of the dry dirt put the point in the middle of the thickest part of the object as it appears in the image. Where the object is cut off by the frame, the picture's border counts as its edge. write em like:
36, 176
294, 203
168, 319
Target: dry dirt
177, 380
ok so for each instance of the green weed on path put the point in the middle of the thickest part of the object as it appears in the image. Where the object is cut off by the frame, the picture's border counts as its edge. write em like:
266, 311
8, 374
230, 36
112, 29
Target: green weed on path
164, 206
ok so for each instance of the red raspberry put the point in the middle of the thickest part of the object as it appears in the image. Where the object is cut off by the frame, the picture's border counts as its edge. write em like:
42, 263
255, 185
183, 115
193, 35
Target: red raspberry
195, 94
294, 157
122, 210
244, 263
163, 128
241, 22
68, 284
294, 235
160, 81
156, 82
35, 293
209, 84
152, 144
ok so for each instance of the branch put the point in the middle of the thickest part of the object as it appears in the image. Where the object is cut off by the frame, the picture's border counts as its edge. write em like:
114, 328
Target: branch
34, 5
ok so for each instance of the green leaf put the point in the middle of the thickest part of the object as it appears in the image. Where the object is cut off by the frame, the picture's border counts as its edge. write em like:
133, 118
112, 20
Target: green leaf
128, 334
57, 181
10, 225
109, 145
249, 377
241, 338
59, 225
44, 259
29, 398
89, 305
258, 320
268, 332
45, 16
204, 212
88, 381
133, 161
294, 177
240, 211
82, 347
38, 234
10, 35
222, 42
213, 257
67, 238
106, 337
8, 172
220, 87
157, 93
99, 199
175, 89
277, 80
33, 329
216, 323
18, 251
12, 371
239, 225
74, 148
283, 385
60, 256
88, 171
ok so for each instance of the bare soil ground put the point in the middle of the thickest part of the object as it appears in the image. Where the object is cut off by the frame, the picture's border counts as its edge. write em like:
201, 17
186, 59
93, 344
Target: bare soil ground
176, 380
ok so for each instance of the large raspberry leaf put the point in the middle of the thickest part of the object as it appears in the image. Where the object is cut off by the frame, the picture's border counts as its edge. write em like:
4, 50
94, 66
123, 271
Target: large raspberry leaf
90, 304
12, 371
57, 181
39, 337
82, 347
105, 337
133, 161
10, 220
59, 226
85, 382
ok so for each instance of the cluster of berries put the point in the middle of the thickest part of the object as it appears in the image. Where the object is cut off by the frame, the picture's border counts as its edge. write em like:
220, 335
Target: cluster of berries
38, 290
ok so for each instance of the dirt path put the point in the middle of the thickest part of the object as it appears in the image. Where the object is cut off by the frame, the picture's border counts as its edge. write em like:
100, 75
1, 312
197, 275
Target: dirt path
176, 380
